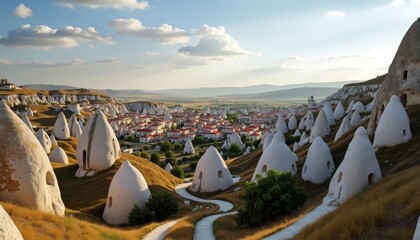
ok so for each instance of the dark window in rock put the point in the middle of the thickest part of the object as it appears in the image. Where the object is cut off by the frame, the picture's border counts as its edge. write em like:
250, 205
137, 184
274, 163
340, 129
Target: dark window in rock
405, 75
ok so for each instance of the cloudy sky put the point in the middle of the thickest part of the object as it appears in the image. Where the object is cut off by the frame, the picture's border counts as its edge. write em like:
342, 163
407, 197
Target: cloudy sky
159, 44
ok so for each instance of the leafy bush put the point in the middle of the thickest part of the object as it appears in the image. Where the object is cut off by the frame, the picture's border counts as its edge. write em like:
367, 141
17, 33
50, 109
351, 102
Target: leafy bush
178, 146
139, 215
235, 148
170, 154
130, 139
155, 157
198, 140
291, 139
163, 204
270, 197
177, 172
144, 155
193, 165
257, 143
172, 161
166, 146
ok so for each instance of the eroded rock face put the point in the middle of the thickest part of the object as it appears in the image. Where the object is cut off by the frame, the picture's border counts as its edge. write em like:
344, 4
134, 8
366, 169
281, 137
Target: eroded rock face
211, 173
98, 147
403, 79
26, 176
61, 128
59, 156
359, 169
277, 156
128, 188
319, 163
394, 125
8, 229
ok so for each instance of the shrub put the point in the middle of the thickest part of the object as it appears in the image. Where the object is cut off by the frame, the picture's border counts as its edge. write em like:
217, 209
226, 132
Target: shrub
130, 139
270, 197
144, 155
291, 139
257, 143
139, 215
177, 172
178, 146
155, 157
235, 148
198, 140
166, 146
193, 165
172, 161
170, 154
163, 204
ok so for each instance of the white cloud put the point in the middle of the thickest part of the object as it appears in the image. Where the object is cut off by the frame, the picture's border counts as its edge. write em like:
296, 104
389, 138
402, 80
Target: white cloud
43, 64
398, 3
335, 14
165, 33
108, 60
4, 61
118, 4
331, 63
44, 37
22, 11
214, 43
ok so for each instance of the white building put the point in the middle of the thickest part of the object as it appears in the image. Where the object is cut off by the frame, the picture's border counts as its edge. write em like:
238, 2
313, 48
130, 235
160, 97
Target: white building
319, 164
98, 147
211, 173
277, 156
32, 181
358, 170
128, 188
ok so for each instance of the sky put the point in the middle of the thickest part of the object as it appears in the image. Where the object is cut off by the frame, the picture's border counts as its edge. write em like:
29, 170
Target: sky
161, 44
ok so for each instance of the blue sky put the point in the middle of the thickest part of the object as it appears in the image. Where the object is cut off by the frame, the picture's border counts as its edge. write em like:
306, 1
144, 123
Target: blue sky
160, 44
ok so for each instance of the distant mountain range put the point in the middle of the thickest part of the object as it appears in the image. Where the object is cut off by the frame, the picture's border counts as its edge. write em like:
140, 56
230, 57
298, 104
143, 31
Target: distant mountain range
287, 94
262, 91
47, 87
223, 91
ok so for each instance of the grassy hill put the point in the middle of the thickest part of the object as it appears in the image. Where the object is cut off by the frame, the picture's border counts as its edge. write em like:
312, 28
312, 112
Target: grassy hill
294, 93
85, 198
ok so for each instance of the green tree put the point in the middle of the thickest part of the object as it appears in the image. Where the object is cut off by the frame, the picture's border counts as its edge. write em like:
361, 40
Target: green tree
172, 161
198, 140
177, 172
155, 157
166, 146
163, 204
178, 146
235, 148
257, 143
139, 215
144, 155
170, 154
193, 165
130, 139
244, 138
270, 197
292, 139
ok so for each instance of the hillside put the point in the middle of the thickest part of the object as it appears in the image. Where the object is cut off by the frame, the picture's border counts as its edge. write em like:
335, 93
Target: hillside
294, 93
388, 210
361, 91
223, 91
85, 198
47, 87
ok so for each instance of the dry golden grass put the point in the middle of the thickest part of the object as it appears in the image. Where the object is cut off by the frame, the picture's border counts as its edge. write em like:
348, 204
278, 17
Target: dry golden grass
23, 91
185, 227
88, 194
38, 225
387, 210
